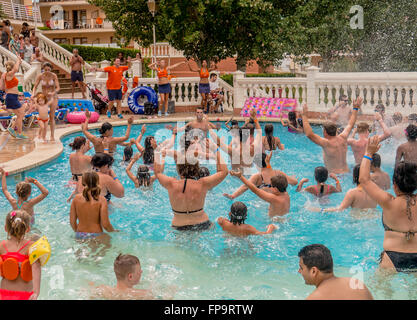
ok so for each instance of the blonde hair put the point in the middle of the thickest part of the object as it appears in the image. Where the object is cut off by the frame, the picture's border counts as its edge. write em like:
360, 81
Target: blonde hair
23, 190
362, 127
90, 183
17, 223
9, 66
124, 264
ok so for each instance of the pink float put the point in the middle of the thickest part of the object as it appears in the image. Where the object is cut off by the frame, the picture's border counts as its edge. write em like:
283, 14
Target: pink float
268, 107
78, 117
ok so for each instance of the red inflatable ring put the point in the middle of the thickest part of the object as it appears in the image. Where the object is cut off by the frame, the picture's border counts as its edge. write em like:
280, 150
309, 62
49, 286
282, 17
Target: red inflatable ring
78, 117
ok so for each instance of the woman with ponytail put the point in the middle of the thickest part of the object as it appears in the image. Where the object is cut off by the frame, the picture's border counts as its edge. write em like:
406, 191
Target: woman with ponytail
269, 142
26, 284
320, 189
143, 178
399, 212
10, 84
89, 211
79, 162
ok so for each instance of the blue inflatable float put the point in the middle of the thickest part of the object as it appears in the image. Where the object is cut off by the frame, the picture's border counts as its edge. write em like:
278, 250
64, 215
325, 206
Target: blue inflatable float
139, 96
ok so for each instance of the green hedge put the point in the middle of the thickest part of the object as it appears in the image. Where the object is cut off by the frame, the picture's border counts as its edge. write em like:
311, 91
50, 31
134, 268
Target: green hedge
98, 54
229, 77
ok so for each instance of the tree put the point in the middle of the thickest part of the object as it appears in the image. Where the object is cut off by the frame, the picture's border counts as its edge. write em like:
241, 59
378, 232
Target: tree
204, 29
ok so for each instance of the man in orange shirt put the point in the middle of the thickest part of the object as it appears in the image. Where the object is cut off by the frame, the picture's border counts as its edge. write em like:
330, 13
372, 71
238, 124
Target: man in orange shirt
114, 85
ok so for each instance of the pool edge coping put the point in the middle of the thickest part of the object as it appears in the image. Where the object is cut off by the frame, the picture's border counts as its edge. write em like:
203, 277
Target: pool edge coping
44, 153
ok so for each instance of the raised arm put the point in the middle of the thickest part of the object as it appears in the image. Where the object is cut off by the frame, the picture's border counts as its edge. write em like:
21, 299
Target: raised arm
192, 69
176, 65
356, 106
44, 191
346, 203
387, 132
153, 66
163, 179
129, 168
384, 199
4, 186
243, 188
16, 66
226, 148
300, 185
84, 128
214, 179
127, 134
399, 155
309, 131
271, 228
268, 197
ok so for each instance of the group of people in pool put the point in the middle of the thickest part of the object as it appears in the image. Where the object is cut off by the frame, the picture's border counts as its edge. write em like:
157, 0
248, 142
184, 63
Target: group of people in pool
96, 182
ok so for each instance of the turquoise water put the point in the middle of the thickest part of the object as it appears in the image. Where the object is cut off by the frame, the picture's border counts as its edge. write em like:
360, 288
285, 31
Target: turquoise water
211, 265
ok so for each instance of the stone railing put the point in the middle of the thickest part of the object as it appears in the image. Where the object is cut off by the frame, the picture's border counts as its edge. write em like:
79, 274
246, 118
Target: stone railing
6, 55
15, 11
56, 54
162, 50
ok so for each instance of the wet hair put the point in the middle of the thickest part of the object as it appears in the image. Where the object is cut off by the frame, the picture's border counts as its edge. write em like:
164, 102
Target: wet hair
397, 117
321, 174
124, 264
101, 159
405, 177
330, 128
78, 143
317, 255
292, 117
148, 154
189, 171
204, 172
143, 176
238, 213
128, 153
23, 190
376, 160
412, 117
90, 182
280, 182
380, 107
356, 171
269, 133
362, 127
234, 123
17, 222
104, 128
411, 131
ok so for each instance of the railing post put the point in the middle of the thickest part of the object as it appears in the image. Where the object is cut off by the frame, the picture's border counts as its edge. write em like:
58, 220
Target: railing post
312, 98
137, 68
103, 64
38, 66
91, 75
238, 91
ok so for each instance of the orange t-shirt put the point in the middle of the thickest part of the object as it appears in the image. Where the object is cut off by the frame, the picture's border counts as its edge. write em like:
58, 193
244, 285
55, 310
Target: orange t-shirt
114, 82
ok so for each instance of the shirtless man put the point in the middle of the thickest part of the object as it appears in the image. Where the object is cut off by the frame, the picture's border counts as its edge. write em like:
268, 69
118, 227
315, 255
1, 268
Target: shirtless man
408, 151
316, 267
340, 113
236, 225
376, 127
76, 63
37, 56
263, 179
334, 145
355, 198
381, 178
106, 131
242, 155
359, 146
200, 122
397, 131
278, 198
128, 273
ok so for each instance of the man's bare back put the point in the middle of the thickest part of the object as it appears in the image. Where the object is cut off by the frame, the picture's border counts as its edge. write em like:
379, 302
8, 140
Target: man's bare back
337, 288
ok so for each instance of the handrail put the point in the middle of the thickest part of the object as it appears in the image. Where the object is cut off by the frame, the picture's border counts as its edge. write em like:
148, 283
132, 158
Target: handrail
6, 54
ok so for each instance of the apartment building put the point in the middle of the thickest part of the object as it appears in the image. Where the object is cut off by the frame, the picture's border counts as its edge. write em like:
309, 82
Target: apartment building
75, 22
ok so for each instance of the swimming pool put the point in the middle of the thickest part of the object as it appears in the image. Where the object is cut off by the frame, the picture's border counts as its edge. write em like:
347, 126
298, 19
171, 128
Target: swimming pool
211, 265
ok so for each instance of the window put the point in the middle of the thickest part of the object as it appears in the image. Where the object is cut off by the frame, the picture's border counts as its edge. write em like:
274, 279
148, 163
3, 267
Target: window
79, 40
61, 40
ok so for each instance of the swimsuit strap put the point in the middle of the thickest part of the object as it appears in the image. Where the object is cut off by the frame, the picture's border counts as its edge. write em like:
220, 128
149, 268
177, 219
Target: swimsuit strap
24, 245
185, 185
19, 206
187, 212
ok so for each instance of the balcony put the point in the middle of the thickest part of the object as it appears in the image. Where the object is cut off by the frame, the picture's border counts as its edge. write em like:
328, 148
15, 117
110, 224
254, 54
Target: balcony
20, 12
80, 26
46, 3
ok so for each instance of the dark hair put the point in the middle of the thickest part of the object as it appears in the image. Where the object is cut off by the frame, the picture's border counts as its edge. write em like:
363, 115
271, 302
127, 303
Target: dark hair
243, 134
90, 182
362, 127
412, 116
376, 160
292, 117
405, 177
280, 182
317, 255
148, 154
269, 133
321, 174
397, 117
331, 128
411, 132
204, 172
128, 153
143, 176
234, 123
46, 64
199, 107
104, 128
212, 75
124, 264
78, 143
238, 213
101, 159
356, 171
188, 170
380, 107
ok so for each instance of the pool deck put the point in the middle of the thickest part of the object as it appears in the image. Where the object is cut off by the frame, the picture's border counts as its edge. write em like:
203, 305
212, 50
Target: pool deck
20, 155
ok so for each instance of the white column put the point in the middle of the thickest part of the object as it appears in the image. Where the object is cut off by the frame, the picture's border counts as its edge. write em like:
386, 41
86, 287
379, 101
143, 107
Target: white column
312, 98
238, 91
38, 66
137, 68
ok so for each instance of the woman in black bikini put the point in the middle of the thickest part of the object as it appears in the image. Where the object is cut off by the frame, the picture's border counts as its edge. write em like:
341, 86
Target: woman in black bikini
399, 213
187, 194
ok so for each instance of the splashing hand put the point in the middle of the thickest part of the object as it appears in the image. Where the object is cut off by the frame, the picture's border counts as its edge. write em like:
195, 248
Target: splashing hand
358, 102
130, 120
237, 173
373, 145
87, 114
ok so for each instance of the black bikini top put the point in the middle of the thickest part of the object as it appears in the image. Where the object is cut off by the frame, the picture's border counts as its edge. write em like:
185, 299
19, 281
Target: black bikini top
411, 201
186, 212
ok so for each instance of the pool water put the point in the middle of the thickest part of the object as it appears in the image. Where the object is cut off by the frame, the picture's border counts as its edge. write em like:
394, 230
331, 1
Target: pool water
210, 264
